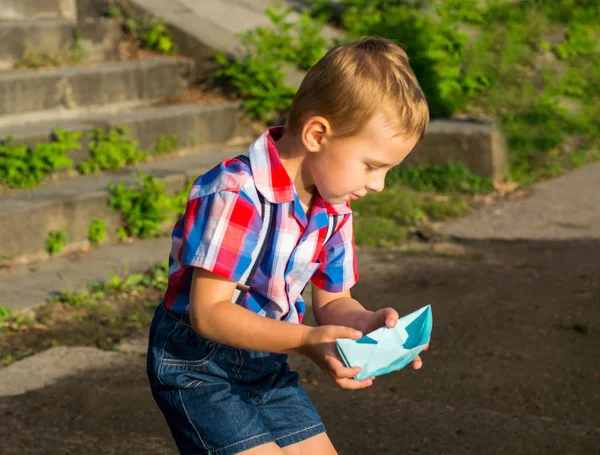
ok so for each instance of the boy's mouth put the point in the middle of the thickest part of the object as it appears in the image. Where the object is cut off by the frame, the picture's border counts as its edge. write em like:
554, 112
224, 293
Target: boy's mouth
353, 196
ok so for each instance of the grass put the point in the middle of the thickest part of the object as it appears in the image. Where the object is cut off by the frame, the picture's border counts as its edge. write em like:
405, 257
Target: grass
386, 219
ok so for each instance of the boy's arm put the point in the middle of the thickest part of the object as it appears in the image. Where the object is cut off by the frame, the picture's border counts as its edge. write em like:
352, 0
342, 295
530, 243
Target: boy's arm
340, 308
215, 317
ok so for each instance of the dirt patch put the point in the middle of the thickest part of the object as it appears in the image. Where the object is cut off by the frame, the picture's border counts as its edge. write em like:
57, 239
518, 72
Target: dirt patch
100, 324
509, 369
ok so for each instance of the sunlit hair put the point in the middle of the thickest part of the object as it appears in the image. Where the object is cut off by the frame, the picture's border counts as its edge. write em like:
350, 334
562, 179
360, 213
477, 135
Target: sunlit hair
354, 81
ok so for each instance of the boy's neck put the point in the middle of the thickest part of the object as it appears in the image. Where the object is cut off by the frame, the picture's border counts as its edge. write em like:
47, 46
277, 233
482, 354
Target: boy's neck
293, 156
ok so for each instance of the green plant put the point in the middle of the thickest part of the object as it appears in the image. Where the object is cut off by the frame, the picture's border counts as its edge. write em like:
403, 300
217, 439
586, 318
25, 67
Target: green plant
581, 39
55, 242
5, 314
77, 299
437, 51
72, 55
467, 11
386, 218
258, 76
111, 149
259, 80
21, 167
179, 201
309, 45
113, 10
451, 177
143, 206
97, 231
165, 144
153, 35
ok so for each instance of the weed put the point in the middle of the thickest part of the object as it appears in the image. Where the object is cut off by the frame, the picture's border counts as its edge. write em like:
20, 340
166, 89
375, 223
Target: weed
97, 231
111, 149
143, 206
258, 77
76, 299
73, 55
179, 201
113, 10
153, 35
22, 167
55, 242
5, 315
166, 144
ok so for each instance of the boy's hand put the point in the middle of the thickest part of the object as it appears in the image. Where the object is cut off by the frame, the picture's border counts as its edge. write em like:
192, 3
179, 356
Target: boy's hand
374, 320
388, 317
319, 346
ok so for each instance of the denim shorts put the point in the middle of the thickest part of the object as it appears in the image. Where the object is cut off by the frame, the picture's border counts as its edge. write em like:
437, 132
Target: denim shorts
220, 400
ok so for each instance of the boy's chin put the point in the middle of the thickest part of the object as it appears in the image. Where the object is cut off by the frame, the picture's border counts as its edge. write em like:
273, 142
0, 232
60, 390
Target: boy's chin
338, 199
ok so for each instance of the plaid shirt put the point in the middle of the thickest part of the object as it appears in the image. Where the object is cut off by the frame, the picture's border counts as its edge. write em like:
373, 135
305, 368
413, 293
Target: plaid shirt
221, 225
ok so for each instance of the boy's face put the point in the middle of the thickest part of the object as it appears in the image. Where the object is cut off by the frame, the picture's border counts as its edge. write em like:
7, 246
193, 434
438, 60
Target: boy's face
348, 168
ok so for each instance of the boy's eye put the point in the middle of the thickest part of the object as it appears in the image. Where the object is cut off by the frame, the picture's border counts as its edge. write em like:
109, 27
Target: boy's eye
370, 167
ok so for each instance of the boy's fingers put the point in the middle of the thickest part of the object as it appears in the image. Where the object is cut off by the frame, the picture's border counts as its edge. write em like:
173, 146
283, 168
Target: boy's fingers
346, 332
339, 370
386, 316
390, 316
353, 384
342, 372
417, 363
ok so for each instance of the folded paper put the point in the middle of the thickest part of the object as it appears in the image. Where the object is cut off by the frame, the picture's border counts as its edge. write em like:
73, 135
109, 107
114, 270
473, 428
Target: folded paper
388, 349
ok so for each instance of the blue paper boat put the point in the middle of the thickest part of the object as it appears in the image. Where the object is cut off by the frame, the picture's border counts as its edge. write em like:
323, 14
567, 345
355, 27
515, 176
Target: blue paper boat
388, 349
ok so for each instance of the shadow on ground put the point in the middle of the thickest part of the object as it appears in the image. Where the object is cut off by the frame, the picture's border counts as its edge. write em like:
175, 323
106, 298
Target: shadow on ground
513, 367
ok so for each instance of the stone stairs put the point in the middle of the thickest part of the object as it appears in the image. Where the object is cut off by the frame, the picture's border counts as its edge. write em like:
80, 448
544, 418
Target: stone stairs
103, 91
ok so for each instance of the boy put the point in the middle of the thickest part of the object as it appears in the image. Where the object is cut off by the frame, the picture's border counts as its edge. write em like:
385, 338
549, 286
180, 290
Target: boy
218, 350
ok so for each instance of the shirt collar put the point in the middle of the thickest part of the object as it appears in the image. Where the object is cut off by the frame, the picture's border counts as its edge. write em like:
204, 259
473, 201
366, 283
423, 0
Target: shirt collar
271, 178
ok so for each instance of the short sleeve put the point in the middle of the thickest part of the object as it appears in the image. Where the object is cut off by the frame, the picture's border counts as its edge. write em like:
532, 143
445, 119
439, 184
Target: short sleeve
220, 232
338, 270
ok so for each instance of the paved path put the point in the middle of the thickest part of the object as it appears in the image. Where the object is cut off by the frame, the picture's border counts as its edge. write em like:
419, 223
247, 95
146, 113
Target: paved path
563, 208
513, 367
506, 372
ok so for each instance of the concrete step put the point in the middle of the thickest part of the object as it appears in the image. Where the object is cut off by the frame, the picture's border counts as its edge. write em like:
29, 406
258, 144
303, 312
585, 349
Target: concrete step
27, 216
33, 96
191, 124
38, 9
75, 272
99, 38
201, 28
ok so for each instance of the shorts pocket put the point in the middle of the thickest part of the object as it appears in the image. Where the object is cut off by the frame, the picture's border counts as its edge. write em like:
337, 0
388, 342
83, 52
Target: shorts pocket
186, 358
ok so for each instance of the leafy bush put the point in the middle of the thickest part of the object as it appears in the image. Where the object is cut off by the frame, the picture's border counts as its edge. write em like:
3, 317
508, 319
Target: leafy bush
143, 206
21, 167
259, 77
111, 150
436, 53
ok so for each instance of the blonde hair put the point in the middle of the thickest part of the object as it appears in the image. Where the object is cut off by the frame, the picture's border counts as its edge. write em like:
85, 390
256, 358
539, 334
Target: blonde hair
353, 81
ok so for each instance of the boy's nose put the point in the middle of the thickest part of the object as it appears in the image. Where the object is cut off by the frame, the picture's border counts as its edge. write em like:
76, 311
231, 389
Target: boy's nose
377, 184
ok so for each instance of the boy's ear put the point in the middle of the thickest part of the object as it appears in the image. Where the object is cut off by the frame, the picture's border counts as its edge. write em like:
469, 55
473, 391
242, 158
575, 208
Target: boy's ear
314, 133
